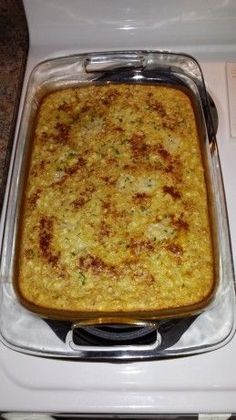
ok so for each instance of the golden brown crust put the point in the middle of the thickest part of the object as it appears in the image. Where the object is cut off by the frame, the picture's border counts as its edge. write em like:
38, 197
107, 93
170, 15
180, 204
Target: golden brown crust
115, 213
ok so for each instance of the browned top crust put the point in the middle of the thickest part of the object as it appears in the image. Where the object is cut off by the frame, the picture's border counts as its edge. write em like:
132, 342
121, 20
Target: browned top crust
115, 213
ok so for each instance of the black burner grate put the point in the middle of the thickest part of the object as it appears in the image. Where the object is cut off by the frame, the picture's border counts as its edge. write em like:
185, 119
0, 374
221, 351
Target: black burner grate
123, 335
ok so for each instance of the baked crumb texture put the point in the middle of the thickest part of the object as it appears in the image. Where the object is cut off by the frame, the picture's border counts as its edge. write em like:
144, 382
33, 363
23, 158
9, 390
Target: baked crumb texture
115, 214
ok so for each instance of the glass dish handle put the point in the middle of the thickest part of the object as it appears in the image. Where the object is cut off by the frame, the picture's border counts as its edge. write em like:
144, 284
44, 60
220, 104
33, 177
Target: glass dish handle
117, 340
114, 61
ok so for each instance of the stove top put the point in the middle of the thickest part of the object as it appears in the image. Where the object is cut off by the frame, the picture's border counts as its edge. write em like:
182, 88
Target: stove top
200, 383
146, 386
26, 332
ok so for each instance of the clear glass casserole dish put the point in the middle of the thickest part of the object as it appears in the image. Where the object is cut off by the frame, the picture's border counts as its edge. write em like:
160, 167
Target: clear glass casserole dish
137, 68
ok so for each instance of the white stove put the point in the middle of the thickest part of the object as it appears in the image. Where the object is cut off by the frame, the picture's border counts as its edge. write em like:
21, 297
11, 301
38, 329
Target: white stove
204, 383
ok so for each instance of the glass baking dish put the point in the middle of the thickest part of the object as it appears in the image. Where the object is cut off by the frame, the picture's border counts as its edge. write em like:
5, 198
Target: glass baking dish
157, 68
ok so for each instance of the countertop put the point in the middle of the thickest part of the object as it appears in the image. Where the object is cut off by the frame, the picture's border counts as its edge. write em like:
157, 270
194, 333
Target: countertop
13, 55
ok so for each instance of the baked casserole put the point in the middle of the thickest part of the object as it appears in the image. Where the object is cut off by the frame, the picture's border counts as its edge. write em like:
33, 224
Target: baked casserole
115, 214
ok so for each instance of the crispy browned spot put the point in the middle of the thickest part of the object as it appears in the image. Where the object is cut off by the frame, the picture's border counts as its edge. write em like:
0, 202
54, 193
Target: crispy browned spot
138, 246
112, 161
95, 264
71, 170
110, 96
32, 200
109, 207
62, 133
140, 198
74, 168
176, 249
171, 191
105, 229
129, 167
172, 121
137, 271
119, 129
109, 180
170, 124
164, 153
180, 223
106, 206
86, 108
138, 147
170, 168
79, 202
45, 240
65, 107
42, 164
156, 105
43, 136
84, 197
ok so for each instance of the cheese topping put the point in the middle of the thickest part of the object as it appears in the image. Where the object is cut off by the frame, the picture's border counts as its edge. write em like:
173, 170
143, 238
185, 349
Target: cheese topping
115, 215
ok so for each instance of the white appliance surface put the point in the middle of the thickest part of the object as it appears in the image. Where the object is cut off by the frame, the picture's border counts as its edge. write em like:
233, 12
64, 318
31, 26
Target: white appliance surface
202, 383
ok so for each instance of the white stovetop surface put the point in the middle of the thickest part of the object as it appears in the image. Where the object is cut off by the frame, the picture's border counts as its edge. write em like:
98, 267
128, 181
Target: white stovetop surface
200, 383
203, 383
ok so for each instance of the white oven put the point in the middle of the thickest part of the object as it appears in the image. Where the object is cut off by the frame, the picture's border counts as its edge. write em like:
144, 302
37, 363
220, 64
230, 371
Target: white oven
200, 383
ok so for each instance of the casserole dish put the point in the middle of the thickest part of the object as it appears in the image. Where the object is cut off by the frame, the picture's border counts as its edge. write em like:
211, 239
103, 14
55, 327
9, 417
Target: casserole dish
145, 70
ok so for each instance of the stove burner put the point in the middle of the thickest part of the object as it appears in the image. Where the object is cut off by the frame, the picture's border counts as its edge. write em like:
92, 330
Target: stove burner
123, 335
113, 335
